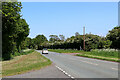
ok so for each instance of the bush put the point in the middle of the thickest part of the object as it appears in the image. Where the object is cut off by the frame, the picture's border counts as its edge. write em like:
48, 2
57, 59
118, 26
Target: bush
22, 53
7, 56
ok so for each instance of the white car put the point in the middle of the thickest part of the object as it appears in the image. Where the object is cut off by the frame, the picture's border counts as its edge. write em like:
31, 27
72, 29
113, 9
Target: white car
44, 51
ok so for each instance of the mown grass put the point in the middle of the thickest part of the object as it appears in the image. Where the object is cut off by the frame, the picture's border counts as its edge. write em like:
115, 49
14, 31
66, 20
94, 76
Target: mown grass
110, 55
24, 63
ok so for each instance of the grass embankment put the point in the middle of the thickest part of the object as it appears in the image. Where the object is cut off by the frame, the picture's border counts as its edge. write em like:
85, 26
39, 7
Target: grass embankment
103, 54
24, 63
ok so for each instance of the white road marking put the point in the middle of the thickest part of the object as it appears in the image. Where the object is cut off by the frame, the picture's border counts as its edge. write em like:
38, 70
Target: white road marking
114, 68
90, 63
72, 77
64, 72
86, 62
69, 75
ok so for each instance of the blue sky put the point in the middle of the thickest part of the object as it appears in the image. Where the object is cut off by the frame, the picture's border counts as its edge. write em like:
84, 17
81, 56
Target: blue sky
69, 17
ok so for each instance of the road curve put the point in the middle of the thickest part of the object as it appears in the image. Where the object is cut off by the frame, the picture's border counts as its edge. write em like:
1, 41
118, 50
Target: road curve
80, 67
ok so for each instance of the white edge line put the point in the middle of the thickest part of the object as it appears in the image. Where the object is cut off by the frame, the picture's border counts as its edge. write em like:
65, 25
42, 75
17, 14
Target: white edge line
65, 72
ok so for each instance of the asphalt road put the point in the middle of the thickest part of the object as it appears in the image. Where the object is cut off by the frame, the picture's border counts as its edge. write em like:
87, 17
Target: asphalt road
80, 67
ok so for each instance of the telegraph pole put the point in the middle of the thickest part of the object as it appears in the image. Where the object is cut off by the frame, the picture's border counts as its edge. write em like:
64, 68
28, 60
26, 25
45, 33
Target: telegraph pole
84, 38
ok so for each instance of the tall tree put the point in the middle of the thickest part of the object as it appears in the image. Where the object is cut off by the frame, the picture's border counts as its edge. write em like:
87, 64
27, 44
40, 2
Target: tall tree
14, 29
10, 15
114, 36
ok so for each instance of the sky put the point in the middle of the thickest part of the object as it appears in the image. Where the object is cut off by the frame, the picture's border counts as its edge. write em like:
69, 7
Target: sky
69, 0
66, 18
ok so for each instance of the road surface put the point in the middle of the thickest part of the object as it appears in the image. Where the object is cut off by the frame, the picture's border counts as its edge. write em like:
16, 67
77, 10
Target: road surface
81, 67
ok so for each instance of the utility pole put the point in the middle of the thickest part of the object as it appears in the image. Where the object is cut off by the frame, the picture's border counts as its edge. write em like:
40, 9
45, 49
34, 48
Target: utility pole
84, 38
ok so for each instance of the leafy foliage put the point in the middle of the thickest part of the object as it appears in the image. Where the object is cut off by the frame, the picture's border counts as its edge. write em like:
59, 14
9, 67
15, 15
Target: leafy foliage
53, 38
39, 40
114, 36
76, 42
14, 29
62, 37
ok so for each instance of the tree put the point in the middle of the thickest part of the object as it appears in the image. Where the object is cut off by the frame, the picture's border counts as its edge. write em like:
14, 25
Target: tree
114, 36
92, 41
53, 38
14, 29
62, 37
27, 43
22, 32
77, 34
104, 43
33, 45
39, 39
10, 15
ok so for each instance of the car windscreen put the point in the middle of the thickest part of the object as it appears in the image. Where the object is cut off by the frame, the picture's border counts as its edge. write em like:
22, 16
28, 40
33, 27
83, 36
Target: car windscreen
45, 49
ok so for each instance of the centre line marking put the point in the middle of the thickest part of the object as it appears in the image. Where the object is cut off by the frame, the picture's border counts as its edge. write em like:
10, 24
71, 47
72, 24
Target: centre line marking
114, 68
89, 63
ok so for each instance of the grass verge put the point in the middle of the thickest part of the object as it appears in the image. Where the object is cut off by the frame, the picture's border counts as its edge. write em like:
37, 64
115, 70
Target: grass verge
98, 57
65, 51
96, 54
24, 63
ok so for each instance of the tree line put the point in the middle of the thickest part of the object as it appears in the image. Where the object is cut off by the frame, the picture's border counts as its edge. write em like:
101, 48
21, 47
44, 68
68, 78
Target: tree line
112, 40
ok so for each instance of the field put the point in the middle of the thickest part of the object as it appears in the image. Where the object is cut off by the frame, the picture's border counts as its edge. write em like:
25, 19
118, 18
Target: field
24, 63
